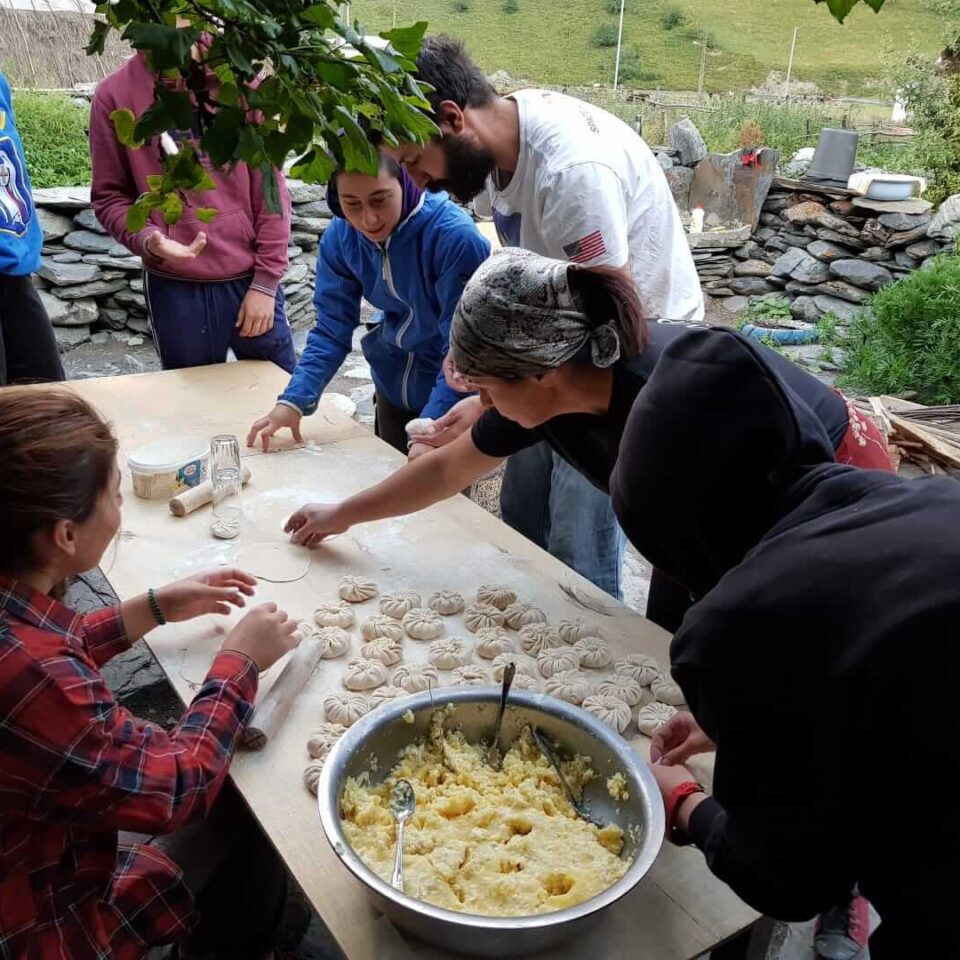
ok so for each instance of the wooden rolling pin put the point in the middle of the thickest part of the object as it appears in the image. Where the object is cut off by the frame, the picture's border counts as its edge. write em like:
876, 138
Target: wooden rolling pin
198, 496
270, 713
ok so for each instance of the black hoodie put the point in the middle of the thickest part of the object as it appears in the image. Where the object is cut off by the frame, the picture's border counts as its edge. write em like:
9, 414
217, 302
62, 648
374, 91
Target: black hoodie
823, 656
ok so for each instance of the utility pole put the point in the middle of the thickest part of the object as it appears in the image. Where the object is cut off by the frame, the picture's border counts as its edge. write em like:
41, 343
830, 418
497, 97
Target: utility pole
703, 64
616, 67
793, 47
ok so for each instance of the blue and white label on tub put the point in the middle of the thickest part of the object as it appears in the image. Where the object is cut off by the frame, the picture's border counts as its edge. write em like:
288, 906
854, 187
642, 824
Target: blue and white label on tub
190, 474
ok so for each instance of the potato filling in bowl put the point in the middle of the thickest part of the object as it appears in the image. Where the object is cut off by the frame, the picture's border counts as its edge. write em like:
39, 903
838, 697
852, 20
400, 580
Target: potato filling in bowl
497, 843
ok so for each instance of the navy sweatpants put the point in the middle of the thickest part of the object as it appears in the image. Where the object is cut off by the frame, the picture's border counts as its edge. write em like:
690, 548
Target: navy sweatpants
194, 324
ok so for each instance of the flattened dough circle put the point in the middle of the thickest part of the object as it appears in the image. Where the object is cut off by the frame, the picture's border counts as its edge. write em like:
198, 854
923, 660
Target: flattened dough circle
274, 562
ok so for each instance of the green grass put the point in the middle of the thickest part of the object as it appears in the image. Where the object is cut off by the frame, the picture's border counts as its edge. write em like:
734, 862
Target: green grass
54, 133
908, 341
550, 41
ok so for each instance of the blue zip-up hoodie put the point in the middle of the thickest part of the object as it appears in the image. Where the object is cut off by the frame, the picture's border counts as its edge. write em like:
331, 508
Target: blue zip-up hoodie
415, 279
20, 235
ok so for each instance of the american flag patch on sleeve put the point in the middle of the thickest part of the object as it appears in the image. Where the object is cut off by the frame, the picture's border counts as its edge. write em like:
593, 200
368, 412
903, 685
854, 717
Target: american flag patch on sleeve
589, 248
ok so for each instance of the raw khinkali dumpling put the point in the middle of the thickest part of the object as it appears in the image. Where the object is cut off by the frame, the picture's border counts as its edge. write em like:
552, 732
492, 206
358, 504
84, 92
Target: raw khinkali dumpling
357, 589
500, 662
414, 677
572, 630
556, 660
523, 681
323, 738
496, 595
653, 716
311, 775
399, 603
492, 641
611, 710
446, 602
448, 652
333, 641
537, 637
364, 674
334, 615
422, 624
569, 685
386, 693
622, 686
344, 708
480, 615
471, 676
594, 652
642, 668
387, 651
381, 626
518, 615
667, 690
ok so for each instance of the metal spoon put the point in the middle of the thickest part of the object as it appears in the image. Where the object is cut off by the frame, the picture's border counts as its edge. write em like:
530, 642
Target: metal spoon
579, 807
494, 758
402, 804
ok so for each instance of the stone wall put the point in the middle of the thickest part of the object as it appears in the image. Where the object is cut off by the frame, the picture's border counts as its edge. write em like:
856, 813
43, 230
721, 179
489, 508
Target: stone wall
92, 286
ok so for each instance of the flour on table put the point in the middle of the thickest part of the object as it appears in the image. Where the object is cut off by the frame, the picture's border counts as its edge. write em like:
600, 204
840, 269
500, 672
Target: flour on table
449, 652
496, 595
414, 677
384, 649
652, 716
364, 674
537, 637
519, 614
399, 603
480, 615
569, 685
447, 602
611, 710
357, 589
421, 623
492, 641
594, 652
334, 615
381, 626
274, 562
344, 708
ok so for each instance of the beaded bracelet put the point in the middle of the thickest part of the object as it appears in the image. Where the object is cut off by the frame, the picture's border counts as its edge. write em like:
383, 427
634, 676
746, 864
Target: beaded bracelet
155, 607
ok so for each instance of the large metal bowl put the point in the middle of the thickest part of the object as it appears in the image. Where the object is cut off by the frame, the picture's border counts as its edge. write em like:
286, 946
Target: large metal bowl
372, 745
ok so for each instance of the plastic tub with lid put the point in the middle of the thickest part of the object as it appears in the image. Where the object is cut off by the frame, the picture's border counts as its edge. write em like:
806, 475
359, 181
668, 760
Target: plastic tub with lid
164, 468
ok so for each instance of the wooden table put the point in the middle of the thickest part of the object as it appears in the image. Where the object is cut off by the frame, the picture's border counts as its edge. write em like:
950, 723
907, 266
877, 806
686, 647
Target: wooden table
679, 911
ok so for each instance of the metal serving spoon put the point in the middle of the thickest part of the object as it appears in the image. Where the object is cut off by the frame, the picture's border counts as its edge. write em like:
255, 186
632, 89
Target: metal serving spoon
580, 808
494, 757
402, 804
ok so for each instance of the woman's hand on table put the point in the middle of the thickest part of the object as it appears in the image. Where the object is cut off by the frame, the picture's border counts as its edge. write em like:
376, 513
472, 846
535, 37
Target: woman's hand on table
680, 738
314, 522
265, 634
668, 779
455, 422
277, 419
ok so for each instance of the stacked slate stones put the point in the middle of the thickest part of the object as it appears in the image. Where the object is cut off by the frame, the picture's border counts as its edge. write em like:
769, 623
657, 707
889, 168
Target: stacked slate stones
92, 286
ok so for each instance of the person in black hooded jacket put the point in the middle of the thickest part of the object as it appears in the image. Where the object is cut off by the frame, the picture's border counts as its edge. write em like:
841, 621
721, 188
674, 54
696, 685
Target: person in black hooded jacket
821, 657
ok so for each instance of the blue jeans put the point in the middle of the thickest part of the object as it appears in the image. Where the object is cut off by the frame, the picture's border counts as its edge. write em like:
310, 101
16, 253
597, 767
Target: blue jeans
194, 323
555, 506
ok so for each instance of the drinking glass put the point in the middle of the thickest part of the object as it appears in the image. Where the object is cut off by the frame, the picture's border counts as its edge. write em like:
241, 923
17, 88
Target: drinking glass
227, 486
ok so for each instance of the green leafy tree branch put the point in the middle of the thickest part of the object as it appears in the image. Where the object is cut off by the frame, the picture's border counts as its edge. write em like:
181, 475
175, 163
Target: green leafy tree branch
257, 81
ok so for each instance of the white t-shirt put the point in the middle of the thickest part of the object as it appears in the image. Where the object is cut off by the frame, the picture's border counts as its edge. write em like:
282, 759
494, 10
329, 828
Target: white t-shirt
588, 189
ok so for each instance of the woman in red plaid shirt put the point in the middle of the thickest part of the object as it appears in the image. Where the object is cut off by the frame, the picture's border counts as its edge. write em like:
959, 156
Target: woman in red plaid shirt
76, 768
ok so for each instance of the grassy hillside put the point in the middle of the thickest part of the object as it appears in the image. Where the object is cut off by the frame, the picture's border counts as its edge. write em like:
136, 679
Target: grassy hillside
552, 41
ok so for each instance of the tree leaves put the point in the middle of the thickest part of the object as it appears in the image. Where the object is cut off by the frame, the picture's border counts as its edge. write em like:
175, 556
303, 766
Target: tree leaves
328, 84
98, 38
841, 8
206, 214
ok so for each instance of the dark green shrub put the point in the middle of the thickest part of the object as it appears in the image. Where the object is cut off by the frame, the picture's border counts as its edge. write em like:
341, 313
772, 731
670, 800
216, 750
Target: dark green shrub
672, 17
605, 35
510, 6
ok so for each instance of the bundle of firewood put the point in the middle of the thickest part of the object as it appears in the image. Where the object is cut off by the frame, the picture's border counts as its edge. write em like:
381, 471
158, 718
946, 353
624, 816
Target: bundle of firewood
927, 437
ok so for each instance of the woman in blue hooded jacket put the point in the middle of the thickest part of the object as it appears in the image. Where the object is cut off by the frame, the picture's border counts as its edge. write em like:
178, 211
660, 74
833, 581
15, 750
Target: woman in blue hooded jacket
407, 253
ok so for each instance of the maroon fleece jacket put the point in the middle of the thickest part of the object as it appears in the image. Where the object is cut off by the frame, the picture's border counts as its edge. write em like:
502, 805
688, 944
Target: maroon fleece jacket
244, 237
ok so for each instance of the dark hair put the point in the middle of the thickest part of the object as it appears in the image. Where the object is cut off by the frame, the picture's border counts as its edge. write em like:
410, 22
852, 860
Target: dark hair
444, 63
58, 455
606, 294
387, 165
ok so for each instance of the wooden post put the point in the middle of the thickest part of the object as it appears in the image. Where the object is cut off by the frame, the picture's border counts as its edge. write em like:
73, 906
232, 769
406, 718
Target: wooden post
616, 66
793, 47
703, 64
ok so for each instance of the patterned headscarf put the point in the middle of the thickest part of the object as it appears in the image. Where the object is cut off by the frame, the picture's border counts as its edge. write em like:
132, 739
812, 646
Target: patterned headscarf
517, 317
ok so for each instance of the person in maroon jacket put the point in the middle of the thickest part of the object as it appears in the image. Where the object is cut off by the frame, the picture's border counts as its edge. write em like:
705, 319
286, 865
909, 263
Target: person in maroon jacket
75, 767
209, 287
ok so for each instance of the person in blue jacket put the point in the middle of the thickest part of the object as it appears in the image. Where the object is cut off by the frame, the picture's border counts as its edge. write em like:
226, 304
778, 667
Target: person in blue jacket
409, 254
28, 348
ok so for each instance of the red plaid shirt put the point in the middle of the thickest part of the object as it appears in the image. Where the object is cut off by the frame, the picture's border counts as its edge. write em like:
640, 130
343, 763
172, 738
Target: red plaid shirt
75, 768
